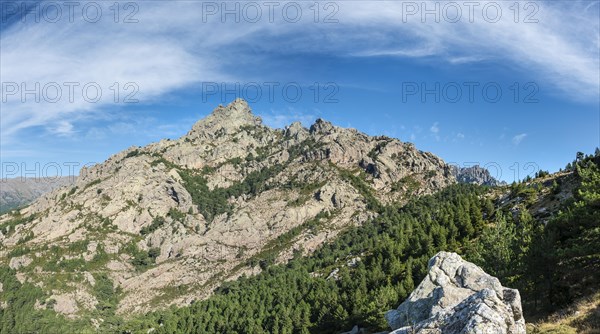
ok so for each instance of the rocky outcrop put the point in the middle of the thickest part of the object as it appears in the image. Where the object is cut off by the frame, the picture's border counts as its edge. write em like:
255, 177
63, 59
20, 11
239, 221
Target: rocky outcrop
260, 183
475, 175
456, 296
19, 262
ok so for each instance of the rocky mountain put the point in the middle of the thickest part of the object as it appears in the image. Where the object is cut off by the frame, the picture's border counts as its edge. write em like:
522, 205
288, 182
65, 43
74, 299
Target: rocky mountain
16, 192
475, 175
323, 222
456, 296
169, 222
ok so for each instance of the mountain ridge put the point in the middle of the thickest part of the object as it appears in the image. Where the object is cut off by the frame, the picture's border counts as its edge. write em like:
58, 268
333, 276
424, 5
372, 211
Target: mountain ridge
225, 198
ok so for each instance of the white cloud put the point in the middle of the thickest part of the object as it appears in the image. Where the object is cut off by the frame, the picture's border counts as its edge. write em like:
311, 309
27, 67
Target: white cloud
516, 140
460, 136
568, 30
435, 131
148, 54
419, 52
171, 48
63, 128
465, 60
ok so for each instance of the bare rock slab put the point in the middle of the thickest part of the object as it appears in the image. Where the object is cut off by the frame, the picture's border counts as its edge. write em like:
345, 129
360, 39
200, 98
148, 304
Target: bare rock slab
457, 296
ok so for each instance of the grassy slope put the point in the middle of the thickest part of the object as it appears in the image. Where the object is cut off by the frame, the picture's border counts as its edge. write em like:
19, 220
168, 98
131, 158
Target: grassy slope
582, 317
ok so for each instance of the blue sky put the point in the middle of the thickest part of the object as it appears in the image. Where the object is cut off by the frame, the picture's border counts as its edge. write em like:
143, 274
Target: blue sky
363, 66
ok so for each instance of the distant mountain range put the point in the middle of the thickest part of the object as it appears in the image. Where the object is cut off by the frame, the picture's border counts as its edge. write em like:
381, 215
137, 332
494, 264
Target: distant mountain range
475, 175
17, 192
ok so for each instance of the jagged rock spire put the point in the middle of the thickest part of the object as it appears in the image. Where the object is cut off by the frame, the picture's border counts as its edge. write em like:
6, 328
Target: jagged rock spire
321, 126
226, 119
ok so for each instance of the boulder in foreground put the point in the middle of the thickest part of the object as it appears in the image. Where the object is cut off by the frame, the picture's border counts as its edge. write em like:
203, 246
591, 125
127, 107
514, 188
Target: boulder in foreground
457, 296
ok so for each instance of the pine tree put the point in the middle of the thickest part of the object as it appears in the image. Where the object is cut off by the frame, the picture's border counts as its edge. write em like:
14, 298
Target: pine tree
495, 249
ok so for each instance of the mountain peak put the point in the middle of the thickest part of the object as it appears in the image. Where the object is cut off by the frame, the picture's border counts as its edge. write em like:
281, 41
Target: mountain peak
238, 107
226, 118
322, 127
230, 184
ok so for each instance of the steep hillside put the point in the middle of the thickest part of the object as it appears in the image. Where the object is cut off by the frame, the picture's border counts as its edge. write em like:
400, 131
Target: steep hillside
582, 317
551, 256
167, 223
352, 280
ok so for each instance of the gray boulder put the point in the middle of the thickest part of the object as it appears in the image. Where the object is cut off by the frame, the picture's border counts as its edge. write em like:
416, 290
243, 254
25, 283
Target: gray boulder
458, 297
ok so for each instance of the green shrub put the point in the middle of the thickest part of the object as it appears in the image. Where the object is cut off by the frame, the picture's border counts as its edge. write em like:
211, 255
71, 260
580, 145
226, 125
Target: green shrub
142, 260
132, 154
176, 215
8, 227
156, 223
93, 183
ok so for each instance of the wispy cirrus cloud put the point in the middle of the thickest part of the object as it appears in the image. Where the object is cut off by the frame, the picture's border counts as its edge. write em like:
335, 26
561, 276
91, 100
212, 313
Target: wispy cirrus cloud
435, 131
517, 139
173, 46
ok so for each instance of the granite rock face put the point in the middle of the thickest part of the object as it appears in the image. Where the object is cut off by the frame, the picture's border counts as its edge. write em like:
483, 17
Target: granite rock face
140, 199
475, 175
458, 297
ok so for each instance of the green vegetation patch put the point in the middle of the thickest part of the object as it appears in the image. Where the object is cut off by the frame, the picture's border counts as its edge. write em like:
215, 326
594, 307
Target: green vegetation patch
8, 227
359, 183
156, 223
